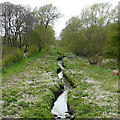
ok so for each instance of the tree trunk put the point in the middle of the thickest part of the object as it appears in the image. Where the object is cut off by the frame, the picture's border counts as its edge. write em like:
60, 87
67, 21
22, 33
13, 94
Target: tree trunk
40, 48
20, 41
25, 48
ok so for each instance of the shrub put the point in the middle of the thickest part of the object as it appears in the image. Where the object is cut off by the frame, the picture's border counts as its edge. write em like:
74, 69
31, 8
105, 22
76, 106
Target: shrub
8, 60
12, 57
110, 65
33, 49
7, 51
19, 54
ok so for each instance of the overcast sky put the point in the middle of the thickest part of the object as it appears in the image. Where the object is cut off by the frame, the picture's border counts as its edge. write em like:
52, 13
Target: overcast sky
68, 8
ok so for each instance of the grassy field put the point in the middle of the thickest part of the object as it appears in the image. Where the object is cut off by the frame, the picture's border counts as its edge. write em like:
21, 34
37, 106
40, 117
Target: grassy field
26, 87
96, 94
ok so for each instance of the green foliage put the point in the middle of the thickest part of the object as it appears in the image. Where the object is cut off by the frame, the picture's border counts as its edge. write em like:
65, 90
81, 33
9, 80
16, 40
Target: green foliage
13, 93
38, 104
36, 113
41, 37
50, 36
86, 35
23, 104
37, 29
8, 60
110, 65
83, 41
35, 37
92, 82
13, 112
33, 49
10, 99
7, 50
112, 44
13, 56
18, 66
47, 14
52, 50
19, 54
82, 99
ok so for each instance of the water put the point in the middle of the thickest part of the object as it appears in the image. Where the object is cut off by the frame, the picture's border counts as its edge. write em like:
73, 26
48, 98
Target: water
60, 109
60, 75
60, 106
60, 64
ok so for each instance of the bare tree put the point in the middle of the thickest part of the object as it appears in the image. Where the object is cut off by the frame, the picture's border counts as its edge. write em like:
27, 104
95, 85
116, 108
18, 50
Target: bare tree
16, 22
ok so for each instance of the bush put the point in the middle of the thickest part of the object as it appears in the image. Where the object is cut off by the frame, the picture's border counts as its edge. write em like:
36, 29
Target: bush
33, 49
19, 55
8, 60
12, 57
110, 65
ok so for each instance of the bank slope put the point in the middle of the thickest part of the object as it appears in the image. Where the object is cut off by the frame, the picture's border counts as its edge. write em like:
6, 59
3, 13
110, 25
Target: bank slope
27, 94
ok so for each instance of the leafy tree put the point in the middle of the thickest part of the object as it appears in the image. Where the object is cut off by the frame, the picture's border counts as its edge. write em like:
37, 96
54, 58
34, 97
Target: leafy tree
112, 42
45, 16
36, 37
86, 35
70, 35
96, 19
111, 48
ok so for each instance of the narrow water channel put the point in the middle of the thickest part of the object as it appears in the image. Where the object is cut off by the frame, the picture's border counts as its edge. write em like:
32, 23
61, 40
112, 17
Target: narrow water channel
60, 108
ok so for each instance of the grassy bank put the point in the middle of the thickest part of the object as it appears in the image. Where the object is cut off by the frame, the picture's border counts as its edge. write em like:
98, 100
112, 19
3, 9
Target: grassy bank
17, 67
27, 85
96, 93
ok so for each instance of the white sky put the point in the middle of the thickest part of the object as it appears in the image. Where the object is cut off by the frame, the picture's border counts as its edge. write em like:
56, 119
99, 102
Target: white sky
68, 8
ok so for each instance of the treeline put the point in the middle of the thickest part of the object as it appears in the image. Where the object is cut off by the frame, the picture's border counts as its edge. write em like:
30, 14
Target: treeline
26, 30
93, 34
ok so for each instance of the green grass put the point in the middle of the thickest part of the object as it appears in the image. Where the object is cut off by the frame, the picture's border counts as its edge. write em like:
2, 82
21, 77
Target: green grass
95, 86
27, 87
17, 67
